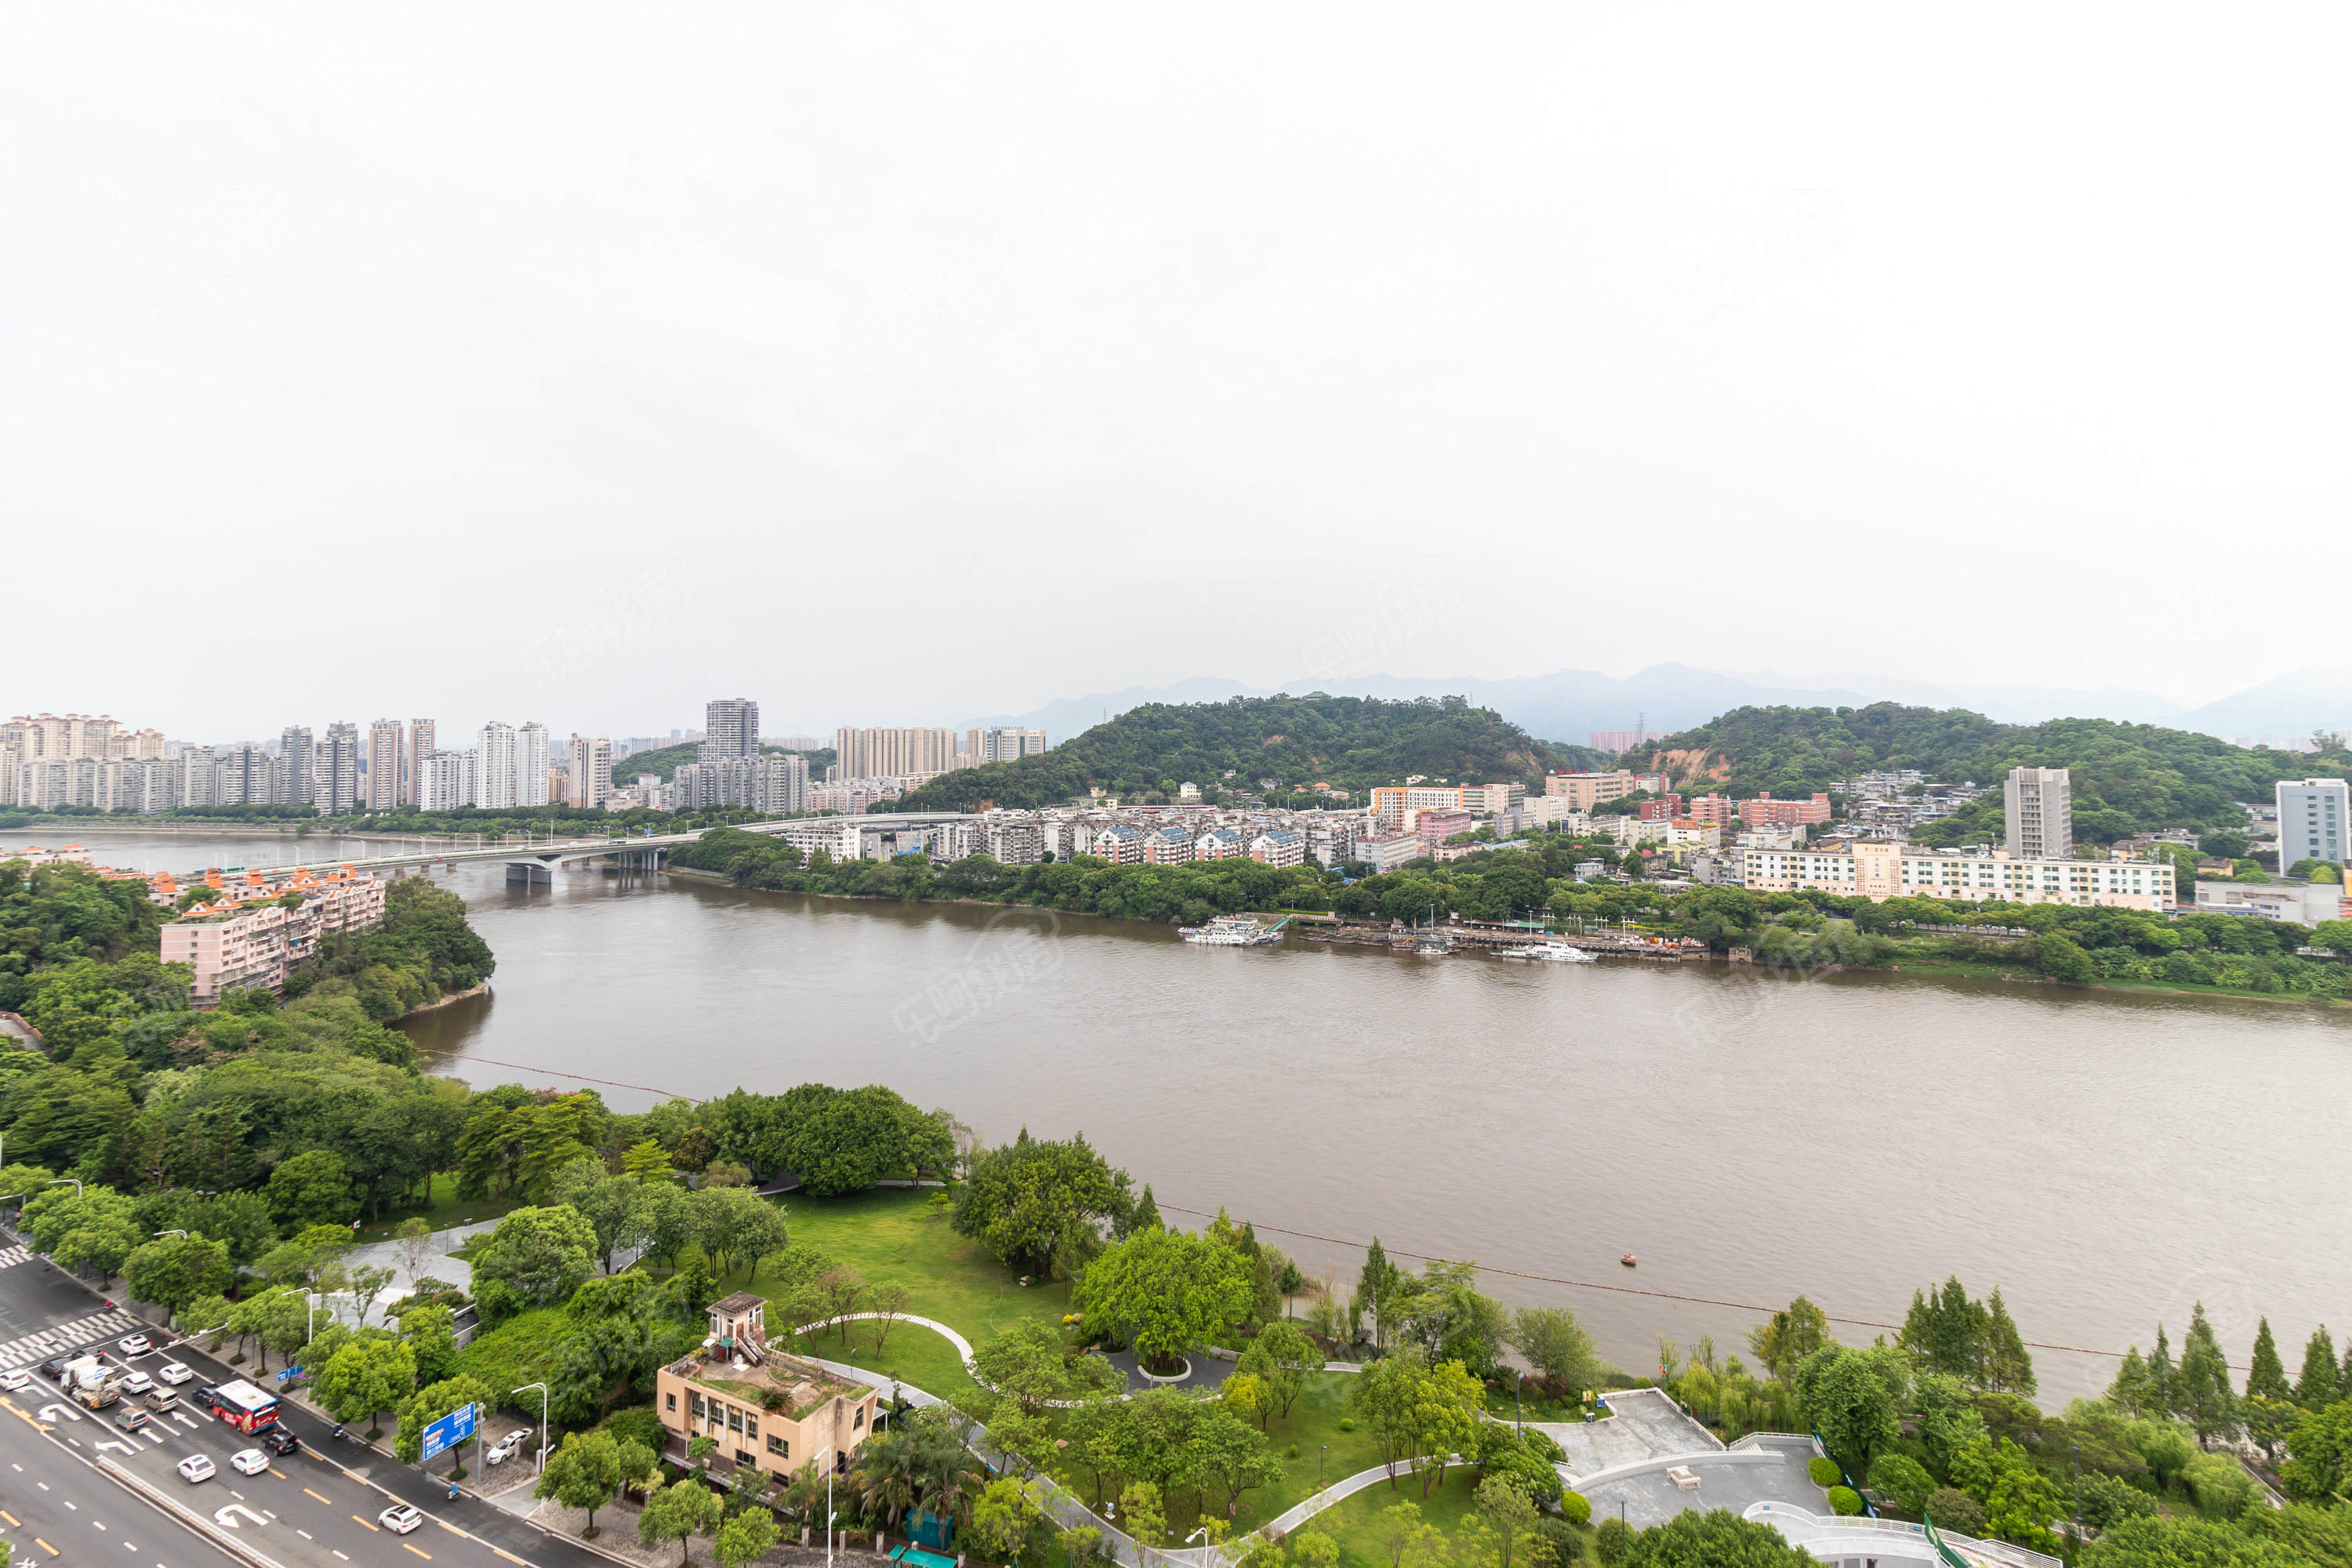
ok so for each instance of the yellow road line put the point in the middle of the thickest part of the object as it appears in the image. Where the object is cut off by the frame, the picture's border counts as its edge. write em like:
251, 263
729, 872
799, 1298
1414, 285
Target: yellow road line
46, 1546
508, 1555
357, 1519
327, 1501
282, 1474
449, 1527
14, 1522
426, 1555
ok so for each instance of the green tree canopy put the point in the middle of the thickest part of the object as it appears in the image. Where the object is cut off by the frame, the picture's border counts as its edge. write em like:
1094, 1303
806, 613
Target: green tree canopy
1164, 1292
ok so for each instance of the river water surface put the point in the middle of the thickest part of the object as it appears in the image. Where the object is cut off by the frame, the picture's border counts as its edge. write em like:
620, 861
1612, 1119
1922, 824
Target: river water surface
2108, 1159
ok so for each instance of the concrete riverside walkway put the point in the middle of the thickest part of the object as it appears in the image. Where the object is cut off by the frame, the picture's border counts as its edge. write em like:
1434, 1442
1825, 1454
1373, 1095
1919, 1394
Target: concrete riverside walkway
1290, 1518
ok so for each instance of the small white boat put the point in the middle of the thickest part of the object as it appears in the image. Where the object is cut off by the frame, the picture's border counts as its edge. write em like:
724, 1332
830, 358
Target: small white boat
1546, 952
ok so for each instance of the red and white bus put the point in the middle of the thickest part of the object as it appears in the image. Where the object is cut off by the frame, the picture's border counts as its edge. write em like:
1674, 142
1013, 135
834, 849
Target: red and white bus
244, 1406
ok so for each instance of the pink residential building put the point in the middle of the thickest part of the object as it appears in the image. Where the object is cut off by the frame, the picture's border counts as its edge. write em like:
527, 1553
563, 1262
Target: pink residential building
1765, 812
248, 946
1436, 826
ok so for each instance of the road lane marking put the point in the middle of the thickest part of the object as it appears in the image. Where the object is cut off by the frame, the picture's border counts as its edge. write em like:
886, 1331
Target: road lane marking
46, 1546
357, 1518
451, 1528
14, 1522
304, 1534
282, 1474
426, 1555
508, 1556
328, 1501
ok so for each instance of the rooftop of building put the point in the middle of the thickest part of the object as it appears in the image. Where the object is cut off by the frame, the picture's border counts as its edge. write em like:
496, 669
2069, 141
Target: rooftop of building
801, 1385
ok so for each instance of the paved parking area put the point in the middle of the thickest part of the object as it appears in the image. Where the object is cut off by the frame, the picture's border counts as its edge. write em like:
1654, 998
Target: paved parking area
1645, 1425
1724, 1481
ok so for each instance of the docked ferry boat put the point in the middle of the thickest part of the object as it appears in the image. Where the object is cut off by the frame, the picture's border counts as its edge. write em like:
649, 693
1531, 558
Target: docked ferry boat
1546, 952
1233, 931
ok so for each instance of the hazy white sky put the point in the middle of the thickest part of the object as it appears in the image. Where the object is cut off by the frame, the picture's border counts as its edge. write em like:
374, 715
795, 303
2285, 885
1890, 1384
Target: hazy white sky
891, 364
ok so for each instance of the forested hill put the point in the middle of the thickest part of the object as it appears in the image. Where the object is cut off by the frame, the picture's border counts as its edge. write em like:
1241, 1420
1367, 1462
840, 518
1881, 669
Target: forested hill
1350, 742
2127, 777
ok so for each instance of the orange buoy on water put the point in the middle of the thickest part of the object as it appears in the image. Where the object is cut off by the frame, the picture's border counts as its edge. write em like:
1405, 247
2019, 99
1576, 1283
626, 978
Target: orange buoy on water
1628, 1260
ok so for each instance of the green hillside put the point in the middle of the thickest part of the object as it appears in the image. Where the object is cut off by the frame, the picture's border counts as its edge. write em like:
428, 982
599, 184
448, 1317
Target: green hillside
1349, 743
2128, 778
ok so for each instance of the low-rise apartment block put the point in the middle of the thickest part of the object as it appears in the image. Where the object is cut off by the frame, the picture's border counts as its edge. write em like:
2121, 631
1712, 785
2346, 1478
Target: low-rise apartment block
1881, 869
1397, 806
1764, 811
1168, 846
1584, 791
1389, 852
233, 945
1221, 843
1284, 846
768, 1412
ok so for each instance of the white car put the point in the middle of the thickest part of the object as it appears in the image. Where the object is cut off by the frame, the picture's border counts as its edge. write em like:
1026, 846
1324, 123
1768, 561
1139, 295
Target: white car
137, 1383
174, 1372
504, 1448
15, 1379
248, 1462
134, 1344
400, 1518
196, 1467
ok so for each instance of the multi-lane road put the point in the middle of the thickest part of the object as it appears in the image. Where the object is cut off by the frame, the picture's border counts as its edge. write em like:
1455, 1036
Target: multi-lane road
318, 1507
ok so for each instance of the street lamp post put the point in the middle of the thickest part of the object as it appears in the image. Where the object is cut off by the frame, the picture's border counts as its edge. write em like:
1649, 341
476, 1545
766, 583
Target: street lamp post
538, 1460
67, 1181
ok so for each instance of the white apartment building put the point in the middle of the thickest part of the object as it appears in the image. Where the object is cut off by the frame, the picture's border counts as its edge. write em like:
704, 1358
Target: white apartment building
1400, 805
1879, 871
892, 753
1489, 799
1282, 847
445, 780
1003, 745
1014, 842
837, 838
420, 746
730, 728
592, 772
1386, 854
2313, 819
2040, 807
494, 767
383, 773
530, 765
293, 773
338, 790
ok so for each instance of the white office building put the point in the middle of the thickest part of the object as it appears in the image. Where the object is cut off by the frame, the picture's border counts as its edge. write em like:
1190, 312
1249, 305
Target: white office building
2040, 806
2312, 821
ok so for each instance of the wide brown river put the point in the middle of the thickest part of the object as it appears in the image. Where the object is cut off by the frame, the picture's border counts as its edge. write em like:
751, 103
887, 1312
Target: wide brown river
2107, 1159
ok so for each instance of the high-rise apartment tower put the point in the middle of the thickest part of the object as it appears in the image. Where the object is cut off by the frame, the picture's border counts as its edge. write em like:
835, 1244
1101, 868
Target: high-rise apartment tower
2040, 803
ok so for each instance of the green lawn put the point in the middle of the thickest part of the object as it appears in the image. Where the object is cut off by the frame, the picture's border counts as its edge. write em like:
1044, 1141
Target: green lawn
897, 1235
1355, 1522
1313, 1423
446, 1210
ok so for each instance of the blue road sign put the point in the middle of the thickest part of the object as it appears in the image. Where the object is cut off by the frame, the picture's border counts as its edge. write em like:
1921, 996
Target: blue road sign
449, 1431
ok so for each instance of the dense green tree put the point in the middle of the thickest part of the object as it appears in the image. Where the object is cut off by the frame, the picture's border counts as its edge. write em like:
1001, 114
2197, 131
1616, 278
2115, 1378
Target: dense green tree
585, 1473
746, 1538
367, 1376
680, 1511
1164, 1292
2315, 1389
1379, 1288
173, 1270
1556, 1345
2266, 1375
1790, 1336
1901, 1481
2320, 1455
541, 1253
1039, 1204
2149, 1541
2205, 1398
1855, 1399
1715, 1539
311, 1189
1281, 1357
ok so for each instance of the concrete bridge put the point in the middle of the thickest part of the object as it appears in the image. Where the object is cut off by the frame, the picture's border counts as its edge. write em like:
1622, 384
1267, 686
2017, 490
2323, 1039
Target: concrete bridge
532, 860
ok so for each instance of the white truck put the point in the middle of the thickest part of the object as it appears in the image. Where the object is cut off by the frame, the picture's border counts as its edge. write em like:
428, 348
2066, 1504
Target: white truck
96, 1382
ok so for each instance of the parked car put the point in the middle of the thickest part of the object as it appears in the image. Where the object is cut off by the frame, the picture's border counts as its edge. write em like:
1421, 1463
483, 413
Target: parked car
196, 1467
160, 1400
174, 1372
504, 1448
248, 1462
400, 1518
281, 1439
131, 1419
137, 1383
135, 1344
15, 1378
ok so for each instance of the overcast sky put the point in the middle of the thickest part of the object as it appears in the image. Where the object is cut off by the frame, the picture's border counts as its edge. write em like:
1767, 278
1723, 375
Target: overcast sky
892, 364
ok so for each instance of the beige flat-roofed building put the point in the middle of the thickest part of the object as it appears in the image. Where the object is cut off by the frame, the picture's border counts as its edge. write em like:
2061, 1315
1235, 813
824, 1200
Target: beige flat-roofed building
1584, 791
767, 1411
1883, 871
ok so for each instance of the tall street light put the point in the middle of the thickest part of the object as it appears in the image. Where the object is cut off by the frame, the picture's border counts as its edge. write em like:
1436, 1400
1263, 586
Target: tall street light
540, 1459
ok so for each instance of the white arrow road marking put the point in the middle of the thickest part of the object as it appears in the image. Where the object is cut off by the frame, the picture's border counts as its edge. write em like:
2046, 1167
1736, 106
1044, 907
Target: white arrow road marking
59, 1413
118, 1447
221, 1516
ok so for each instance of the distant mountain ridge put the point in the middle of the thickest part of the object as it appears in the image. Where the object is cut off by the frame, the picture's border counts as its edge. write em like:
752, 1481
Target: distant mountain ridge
1567, 705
